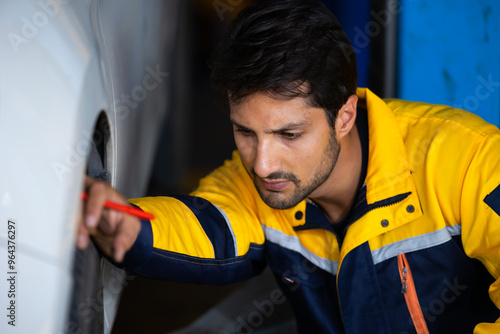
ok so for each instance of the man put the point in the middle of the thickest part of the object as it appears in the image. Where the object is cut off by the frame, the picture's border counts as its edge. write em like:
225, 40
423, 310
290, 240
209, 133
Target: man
375, 216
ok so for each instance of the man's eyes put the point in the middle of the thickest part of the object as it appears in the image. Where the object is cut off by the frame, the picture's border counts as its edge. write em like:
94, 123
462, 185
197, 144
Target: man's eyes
244, 132
290, 135
283, 134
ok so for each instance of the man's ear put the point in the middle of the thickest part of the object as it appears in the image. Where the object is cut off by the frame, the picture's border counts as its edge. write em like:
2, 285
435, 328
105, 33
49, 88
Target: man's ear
346, 117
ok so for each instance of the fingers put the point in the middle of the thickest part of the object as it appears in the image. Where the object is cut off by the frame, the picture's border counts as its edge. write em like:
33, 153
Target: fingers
120, 240
98, 192
114, 232
82, 239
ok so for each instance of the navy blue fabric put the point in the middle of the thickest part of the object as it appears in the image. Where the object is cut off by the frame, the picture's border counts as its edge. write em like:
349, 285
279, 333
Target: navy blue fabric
213, 224
360, 295
493, 200
145, 260
460, 293
452, 288
142, 248
187, 269
452, 302
314, 219
362, 126
310, 290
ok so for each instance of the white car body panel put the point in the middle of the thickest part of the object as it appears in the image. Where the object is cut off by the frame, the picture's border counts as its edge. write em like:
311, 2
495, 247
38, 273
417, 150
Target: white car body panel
61, 64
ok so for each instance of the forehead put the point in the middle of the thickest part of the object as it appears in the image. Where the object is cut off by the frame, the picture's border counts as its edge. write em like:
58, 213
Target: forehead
262, 108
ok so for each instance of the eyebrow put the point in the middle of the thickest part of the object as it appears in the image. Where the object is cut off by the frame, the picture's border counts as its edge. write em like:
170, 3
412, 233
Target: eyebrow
286, 127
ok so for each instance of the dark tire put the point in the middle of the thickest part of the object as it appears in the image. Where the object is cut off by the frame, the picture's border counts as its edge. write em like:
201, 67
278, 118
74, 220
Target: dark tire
86, 315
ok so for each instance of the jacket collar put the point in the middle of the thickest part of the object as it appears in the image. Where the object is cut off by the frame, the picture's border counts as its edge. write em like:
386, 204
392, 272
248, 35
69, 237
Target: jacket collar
388, 173
388, 179
391, 194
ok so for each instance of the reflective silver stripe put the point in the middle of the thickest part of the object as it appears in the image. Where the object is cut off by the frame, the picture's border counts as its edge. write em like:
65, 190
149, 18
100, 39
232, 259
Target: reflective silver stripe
228, 223
415, 243
293, 243
455, 230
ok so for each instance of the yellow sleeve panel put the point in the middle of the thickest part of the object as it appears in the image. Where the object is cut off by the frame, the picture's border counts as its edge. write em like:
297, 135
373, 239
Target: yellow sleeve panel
481, 221
175, 227
232, 191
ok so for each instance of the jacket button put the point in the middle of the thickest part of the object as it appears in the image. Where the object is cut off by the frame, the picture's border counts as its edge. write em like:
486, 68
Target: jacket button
410, 209
299, 215
384, 223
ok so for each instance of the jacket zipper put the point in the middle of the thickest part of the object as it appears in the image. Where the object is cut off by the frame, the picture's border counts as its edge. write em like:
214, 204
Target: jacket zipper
408, 290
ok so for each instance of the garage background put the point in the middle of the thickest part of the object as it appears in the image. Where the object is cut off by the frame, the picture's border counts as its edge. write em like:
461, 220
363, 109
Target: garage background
444, 52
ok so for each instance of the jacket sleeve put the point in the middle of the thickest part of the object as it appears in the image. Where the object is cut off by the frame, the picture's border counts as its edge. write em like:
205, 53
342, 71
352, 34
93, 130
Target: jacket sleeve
212, 236
480, 215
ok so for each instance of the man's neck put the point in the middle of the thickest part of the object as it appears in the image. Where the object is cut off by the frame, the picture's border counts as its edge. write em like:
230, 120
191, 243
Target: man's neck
337, 195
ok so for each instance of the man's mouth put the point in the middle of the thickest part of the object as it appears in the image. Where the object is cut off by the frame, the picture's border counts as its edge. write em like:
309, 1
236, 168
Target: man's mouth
275, 185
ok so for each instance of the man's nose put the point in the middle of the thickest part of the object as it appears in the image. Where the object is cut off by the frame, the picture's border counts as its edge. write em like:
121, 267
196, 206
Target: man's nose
267, 159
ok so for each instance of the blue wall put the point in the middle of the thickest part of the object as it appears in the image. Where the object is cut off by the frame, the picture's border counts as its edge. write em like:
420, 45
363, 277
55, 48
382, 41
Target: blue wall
353, 16
449, 53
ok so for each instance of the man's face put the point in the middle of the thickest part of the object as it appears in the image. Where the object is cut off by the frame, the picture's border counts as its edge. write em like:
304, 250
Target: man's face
286, 146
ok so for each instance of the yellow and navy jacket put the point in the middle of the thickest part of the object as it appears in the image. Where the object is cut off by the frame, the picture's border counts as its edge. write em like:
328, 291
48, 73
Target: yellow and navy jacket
421, 252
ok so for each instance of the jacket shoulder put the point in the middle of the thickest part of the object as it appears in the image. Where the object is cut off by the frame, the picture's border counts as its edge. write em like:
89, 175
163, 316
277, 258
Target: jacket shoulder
418, 115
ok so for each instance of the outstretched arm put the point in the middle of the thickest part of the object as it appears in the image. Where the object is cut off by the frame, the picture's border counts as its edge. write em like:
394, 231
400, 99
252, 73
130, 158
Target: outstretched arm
213, 236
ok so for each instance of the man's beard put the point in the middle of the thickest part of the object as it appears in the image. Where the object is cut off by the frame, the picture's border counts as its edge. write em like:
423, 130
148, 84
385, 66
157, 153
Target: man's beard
277, 200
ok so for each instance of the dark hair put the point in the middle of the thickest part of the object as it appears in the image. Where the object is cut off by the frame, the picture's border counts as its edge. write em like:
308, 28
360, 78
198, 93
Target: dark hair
287, 49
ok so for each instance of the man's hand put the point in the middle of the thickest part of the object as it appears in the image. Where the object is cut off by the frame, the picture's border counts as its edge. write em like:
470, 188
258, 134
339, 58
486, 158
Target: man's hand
114, 232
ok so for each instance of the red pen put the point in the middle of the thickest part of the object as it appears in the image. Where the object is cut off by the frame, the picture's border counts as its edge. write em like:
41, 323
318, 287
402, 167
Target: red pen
125, 208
